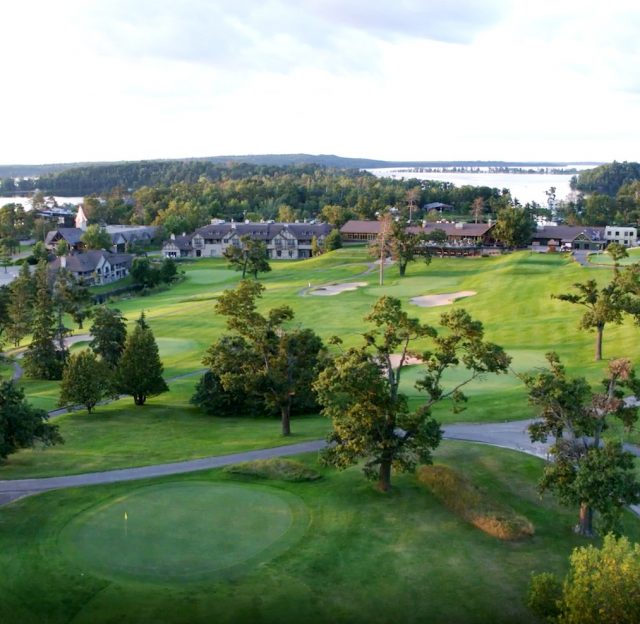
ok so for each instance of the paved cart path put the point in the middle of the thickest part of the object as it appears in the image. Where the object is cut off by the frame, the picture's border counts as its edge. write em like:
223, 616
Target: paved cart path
510, 435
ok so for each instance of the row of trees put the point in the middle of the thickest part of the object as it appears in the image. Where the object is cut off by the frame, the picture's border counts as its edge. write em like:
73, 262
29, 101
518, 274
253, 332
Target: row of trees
115, 364
38, 306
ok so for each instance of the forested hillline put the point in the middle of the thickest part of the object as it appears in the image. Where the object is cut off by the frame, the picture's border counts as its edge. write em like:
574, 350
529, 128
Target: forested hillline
607, 179
256, 193
75, 179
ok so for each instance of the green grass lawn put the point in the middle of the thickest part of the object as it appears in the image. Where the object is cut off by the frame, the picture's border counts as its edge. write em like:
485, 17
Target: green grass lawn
606, 259
364, 556
121, 434
513, 301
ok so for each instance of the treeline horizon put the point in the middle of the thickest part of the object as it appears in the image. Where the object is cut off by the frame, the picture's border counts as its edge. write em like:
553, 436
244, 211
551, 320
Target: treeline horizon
47, 172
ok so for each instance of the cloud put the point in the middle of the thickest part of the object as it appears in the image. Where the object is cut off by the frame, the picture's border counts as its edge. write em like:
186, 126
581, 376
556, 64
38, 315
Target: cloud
279, 35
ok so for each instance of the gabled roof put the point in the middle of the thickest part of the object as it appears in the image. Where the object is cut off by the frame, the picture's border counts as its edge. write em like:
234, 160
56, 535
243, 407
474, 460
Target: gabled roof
263, 231
181, 242
71, 235
355, 226
568, 233
132, 232
90, 260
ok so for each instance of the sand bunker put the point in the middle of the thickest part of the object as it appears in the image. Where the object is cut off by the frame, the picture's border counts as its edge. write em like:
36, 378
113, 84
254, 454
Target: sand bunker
409, 360
336, 289
431, 301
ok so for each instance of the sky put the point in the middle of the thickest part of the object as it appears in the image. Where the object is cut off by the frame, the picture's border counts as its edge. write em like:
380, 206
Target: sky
105, 80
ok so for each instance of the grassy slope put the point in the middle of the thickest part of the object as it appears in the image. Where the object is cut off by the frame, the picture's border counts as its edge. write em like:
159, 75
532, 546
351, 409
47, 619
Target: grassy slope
366, 557
513, 301
121, 435
606, 259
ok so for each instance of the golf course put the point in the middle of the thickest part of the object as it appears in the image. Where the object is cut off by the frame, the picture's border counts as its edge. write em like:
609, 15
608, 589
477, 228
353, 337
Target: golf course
225, 545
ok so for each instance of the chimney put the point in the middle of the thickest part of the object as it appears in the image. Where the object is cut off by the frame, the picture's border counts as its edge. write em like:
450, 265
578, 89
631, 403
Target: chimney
173, 236
459, 225
63, 262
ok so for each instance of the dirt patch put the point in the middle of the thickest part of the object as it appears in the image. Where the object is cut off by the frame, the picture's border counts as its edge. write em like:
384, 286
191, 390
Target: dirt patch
336, 289
431, 301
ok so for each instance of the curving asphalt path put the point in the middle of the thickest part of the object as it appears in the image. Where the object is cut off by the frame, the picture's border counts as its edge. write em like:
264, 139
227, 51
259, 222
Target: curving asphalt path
19, 488
510, 435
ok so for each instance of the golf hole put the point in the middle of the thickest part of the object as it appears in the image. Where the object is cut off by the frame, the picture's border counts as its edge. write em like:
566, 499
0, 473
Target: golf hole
185, 531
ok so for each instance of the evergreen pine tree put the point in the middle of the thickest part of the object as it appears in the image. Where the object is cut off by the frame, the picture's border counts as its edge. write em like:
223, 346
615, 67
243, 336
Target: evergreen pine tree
109, 331
139, 371
20, 309
62, 294
41, 360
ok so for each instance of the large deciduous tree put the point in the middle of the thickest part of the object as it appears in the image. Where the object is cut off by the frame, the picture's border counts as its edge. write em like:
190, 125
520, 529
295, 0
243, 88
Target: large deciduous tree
144, 273
333, 240
359, 390
96, 237
265, 359
21, 424
139, 370
250, 257
603, 306
85, 381
600, 588
402, 244
584, 472
514, 227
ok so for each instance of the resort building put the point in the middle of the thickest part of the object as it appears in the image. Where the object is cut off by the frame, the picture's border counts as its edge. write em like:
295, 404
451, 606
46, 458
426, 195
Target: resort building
458, 234
570, 237
288, 241
95, 267
627, 236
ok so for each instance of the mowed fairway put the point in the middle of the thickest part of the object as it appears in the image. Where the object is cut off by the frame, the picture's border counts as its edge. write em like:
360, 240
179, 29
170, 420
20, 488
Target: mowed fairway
352, 554
513, 301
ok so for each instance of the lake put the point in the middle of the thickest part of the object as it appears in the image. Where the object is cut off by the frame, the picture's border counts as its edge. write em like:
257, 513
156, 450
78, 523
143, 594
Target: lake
26, 201
526, 187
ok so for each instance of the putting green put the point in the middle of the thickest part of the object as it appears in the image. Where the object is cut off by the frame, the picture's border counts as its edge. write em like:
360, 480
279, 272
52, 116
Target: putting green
185, 531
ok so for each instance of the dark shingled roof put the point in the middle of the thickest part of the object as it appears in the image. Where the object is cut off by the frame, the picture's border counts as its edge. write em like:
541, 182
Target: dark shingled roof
568, 233
181, 242
264, 231
89, 260
71, 235
452, 229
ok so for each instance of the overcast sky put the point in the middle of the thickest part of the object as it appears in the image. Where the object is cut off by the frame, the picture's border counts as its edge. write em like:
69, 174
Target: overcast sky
87, 80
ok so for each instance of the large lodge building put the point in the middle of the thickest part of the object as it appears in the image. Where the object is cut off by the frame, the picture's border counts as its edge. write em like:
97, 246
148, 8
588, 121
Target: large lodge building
458, 234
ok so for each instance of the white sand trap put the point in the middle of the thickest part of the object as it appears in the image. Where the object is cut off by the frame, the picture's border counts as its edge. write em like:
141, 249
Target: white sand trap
408, 361
431, 301
336, 289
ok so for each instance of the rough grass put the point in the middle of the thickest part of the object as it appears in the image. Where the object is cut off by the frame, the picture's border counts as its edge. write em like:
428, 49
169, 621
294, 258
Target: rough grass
275, 468
473, 504
366, 557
